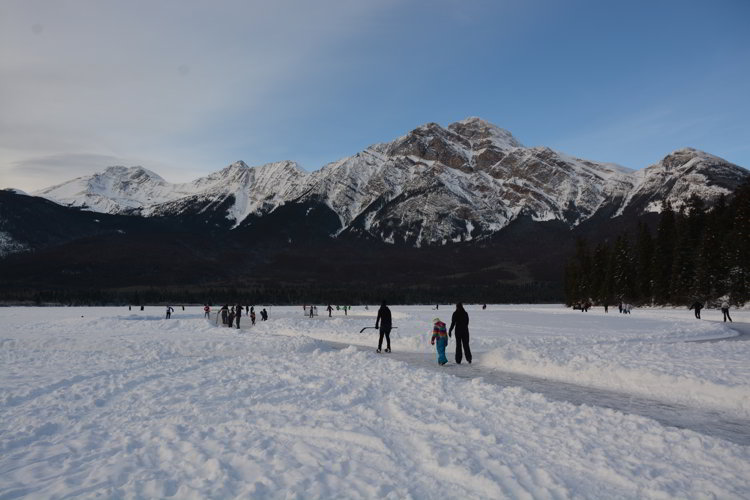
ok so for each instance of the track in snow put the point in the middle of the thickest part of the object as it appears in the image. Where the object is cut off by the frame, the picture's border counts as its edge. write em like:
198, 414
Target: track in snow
709, 422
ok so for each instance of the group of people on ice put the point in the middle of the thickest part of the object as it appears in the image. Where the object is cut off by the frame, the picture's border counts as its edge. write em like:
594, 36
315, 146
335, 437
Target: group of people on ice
459, 321
697, 306
230, 316
440, 334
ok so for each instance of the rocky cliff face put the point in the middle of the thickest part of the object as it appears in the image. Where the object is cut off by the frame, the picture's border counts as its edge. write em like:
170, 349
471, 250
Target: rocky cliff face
431, 186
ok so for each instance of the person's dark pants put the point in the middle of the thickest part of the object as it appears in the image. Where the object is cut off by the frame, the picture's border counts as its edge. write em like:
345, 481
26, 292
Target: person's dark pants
462, 344
387, 333
726, 315
698, 313
238, 322
169, 315
206, 314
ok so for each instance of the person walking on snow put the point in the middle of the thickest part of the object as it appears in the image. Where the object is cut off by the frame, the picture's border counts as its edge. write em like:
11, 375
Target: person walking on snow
329, 309
385, 324
697, 306
170, 310
238, 315
206, 311
441, 336
725, 311
223, 312
460, 320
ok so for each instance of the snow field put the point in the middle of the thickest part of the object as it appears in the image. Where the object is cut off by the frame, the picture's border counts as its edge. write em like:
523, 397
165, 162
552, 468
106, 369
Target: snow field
120, 405
646, 353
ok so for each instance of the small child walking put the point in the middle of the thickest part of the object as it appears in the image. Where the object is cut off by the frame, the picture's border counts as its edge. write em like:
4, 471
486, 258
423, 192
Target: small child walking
440, 334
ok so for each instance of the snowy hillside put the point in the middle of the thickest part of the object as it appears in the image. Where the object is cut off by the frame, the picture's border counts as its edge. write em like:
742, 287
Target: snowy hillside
433, 185
682, 174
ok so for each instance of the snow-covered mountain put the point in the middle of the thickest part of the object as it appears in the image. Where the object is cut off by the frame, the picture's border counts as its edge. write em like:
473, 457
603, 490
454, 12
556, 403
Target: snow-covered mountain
433, 185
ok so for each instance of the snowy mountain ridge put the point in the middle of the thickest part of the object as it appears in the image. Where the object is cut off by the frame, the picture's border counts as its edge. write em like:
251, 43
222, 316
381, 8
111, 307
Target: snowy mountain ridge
433, 185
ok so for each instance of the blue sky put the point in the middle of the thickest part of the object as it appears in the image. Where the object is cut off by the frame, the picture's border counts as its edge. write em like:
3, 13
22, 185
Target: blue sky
186, 87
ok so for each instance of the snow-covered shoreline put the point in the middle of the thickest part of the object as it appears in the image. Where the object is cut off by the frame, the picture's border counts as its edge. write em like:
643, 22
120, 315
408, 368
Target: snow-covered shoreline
114, 403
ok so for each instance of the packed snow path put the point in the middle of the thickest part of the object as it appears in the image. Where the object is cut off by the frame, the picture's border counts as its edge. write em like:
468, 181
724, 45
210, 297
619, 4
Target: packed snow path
742, 329
708, 422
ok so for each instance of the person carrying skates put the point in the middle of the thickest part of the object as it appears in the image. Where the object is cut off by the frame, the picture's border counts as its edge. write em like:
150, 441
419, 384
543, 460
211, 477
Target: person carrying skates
440, 334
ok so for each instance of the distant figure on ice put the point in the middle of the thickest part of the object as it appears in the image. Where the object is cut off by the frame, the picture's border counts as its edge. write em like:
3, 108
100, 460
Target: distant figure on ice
460, 321
183, 308
484, 307
311, 311
697, 306
130, 308
206, 311
224, 313
230, 318
141, 308
329, 309
627, 308
441, 336
384, 322
366, 308
620, 307
238, 315
346, 308
247, 310
725, 311
252, 317
606, 308
170, 310
264, 314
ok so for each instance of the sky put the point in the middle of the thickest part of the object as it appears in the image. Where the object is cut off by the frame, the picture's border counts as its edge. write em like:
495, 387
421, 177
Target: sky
186, 87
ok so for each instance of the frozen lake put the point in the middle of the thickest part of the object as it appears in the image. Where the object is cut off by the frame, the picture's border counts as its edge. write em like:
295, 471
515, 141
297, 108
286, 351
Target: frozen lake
111, 403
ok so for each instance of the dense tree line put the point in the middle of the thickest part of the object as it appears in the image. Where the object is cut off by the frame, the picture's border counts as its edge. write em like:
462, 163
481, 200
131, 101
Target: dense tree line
291, 294
692, 254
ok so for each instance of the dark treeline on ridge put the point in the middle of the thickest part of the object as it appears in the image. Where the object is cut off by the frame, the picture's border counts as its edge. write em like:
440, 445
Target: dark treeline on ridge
692, 254
289, 295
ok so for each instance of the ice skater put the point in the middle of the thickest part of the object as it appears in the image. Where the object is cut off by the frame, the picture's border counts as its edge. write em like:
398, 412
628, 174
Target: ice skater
170, 310
440, 336
460, 321
238, 315
206, 311
725, 311
697, 305
384, 323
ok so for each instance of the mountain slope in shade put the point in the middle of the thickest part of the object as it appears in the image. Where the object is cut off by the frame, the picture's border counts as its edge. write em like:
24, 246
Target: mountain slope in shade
431, 186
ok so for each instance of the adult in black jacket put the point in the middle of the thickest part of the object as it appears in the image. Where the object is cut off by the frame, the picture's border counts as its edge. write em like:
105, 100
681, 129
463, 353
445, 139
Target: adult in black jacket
697, 305
238, 315
385, 324
460, 321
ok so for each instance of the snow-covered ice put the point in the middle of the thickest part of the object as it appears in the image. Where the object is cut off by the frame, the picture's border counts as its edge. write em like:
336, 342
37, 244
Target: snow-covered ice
110, 403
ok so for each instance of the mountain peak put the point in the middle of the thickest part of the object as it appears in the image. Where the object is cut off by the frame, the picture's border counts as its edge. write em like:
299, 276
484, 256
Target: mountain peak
136, 171
476, 129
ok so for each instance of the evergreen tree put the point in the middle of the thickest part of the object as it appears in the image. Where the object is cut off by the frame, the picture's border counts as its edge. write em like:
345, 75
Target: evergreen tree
689, 229
600, 264
583, 270
664, 255
737, 252
623, 273
644, 249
